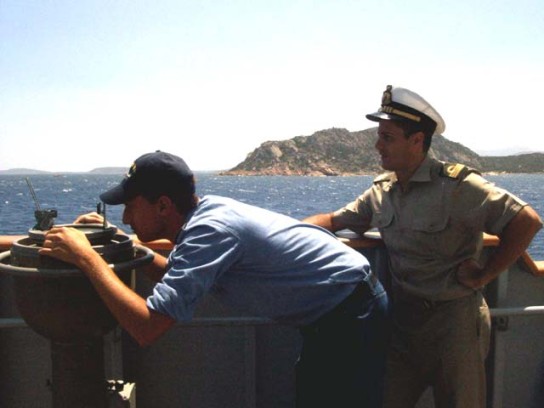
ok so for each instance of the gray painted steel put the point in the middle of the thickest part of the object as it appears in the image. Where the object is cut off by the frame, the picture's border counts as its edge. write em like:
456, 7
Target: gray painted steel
248, 362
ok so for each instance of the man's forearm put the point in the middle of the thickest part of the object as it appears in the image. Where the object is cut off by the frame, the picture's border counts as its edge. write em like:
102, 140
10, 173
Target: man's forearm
129, 309
156, 269
514, 240
323, 220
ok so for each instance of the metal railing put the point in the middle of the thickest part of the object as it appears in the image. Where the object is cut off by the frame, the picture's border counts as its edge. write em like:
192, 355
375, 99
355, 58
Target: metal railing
15, 322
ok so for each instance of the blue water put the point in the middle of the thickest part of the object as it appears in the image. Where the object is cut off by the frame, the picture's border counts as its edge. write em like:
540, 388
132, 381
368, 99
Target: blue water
299, 197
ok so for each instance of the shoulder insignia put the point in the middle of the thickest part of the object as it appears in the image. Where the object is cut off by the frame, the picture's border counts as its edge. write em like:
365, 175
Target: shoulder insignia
456, 170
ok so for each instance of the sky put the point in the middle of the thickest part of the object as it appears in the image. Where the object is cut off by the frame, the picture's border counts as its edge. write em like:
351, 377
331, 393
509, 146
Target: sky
87, 84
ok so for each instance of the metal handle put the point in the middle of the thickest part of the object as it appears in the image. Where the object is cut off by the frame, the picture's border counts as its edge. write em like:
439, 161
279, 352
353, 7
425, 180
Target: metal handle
143, 256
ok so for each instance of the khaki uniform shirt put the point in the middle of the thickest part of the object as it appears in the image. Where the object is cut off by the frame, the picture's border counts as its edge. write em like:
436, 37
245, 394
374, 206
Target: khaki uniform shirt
433, 226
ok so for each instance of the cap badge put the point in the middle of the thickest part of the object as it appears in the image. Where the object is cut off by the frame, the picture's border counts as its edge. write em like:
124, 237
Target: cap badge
387, 97
387, 100
132, 170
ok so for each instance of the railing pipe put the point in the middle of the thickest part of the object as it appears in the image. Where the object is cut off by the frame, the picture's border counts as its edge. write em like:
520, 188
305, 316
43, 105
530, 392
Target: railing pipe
13, 323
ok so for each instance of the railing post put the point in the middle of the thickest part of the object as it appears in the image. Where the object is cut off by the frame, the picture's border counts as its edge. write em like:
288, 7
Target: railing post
499, 362
250, 366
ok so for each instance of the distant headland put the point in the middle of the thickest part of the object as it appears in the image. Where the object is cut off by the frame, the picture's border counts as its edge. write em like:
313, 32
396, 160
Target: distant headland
32, 172
339, 152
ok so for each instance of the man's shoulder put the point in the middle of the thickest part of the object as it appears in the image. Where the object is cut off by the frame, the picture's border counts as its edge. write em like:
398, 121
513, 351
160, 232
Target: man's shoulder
456, 171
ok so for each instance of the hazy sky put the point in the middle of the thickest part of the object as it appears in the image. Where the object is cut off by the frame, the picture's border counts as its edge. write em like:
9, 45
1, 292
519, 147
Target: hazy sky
86, 84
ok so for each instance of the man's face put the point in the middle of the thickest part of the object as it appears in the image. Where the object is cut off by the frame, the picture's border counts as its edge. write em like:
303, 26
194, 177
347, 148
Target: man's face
143, 217
396, 150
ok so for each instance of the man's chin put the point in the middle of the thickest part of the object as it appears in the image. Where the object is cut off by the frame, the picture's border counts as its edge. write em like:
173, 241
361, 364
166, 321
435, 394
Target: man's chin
145, 239
139, 237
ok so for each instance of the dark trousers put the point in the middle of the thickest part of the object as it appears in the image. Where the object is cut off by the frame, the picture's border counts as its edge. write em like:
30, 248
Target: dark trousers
342, 361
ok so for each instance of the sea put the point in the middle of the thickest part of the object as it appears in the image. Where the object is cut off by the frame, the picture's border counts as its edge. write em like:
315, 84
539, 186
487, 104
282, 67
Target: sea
73, 194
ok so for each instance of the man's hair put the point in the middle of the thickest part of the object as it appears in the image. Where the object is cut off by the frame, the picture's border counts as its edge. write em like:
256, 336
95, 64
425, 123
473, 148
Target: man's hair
182, 199
426, 126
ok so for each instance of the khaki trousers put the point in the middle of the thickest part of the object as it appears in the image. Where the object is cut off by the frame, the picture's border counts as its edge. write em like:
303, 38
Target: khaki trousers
442, 345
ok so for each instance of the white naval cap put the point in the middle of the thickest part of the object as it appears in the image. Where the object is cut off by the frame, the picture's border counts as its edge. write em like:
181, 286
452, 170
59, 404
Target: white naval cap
403, 104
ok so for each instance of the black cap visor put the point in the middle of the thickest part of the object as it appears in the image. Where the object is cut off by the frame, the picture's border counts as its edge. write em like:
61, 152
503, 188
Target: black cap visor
377, 116
119, 194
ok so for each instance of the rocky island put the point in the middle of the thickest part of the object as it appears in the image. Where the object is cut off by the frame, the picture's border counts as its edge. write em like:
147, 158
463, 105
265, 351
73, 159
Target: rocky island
339, 152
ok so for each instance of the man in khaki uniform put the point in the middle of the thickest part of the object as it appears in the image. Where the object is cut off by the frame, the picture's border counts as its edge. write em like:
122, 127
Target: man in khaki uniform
431, 216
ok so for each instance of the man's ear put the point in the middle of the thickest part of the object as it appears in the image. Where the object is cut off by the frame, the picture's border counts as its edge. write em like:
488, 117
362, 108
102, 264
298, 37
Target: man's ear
164, 203
418, 138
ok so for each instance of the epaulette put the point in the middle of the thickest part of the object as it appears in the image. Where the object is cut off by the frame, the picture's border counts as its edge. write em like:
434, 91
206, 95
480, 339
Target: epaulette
456, 170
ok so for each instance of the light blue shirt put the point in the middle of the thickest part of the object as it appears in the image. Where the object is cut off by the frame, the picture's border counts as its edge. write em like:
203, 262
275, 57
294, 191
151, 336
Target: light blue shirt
258, 262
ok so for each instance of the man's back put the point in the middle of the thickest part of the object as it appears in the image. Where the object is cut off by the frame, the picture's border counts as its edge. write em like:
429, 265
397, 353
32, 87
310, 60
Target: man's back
259, 262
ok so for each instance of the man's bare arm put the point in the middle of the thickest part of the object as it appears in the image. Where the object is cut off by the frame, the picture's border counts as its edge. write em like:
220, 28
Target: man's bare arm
325, 221
514, 240
156, 269
129, 309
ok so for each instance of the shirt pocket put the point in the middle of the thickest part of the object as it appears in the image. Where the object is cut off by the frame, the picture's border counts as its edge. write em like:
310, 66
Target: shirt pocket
430, 212
433, 220
382, 218
430, 233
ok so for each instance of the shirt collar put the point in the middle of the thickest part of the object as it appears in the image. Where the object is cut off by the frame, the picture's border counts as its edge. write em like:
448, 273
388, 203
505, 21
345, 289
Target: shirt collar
423, 172
187, 218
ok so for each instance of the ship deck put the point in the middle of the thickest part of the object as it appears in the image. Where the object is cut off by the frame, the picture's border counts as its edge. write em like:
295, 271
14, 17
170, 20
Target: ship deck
225, 360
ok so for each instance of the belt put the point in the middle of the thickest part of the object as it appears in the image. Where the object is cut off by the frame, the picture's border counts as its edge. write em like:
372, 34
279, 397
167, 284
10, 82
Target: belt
420, 303
411, 312
363, 290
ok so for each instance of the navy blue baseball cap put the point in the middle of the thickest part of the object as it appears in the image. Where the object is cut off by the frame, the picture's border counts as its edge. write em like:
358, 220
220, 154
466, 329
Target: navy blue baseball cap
153, 174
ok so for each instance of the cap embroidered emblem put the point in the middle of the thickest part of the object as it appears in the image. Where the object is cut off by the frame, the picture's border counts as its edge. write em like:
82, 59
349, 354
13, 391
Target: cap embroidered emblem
387, 97
132, 170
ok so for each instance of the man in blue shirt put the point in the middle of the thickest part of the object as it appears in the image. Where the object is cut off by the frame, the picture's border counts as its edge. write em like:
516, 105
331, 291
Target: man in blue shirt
256, 261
